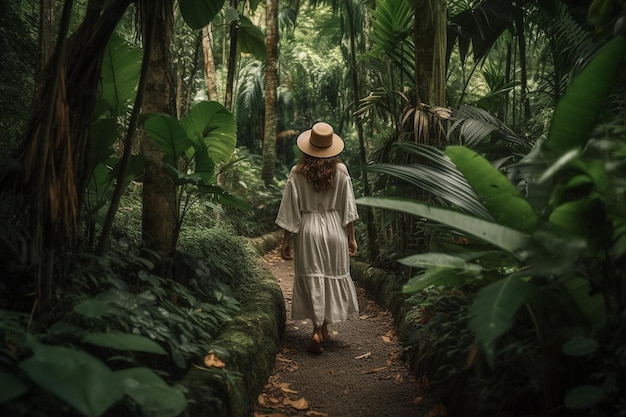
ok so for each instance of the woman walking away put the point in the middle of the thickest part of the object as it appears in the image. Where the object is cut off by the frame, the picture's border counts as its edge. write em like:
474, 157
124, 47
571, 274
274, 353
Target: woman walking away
318, 206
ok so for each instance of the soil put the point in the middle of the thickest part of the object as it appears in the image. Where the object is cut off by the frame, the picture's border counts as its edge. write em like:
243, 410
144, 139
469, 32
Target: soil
360, 373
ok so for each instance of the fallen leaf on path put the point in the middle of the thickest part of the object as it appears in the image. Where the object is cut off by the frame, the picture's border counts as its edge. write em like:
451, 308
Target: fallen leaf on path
299, 404
316, 414
365, 316
284, 387
386, 339
363, 356
269, 415
332, 372
280, 358
372, 371
418, 400
211, 360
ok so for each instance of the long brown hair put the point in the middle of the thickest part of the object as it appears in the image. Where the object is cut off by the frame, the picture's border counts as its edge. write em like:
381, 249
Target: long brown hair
320, 172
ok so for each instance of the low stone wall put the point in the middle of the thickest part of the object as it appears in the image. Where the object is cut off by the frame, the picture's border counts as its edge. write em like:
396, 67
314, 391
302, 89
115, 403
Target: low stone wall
252, 339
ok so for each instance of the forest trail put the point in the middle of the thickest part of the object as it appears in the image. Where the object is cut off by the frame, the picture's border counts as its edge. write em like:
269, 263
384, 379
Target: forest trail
360, 373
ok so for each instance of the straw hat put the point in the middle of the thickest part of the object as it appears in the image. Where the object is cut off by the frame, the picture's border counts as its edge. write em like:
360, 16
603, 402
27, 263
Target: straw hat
320, 141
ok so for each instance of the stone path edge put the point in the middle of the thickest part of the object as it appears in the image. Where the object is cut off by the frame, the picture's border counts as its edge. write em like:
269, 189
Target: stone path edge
252, 338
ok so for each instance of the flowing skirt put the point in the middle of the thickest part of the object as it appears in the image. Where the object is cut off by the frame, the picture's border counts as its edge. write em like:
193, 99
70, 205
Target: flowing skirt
323, 289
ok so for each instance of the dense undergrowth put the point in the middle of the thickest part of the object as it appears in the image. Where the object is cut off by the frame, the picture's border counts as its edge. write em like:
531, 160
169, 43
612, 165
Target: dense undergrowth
119, 339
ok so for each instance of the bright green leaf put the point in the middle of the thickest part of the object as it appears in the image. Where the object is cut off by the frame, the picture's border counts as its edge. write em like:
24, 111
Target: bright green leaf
500, 197
503, 237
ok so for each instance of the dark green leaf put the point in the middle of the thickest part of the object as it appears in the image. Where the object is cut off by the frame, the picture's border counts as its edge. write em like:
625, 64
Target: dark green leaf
585, 99
212, 123
92, 308
11, 387
199, 13
124, 341
151, 393
583, 397
251, 39
580, 346
494, 307
169, 135
76, 377
449, 277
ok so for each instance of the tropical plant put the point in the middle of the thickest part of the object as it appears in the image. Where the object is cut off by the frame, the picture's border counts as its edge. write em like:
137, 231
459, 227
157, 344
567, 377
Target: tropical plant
558, 249
122, 347
206, 136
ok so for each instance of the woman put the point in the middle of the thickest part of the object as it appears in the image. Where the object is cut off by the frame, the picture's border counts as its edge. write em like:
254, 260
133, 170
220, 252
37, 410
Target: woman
318, 206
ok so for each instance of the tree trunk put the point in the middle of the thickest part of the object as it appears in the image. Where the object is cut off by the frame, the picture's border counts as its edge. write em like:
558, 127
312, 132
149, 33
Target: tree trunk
159, 214
430, 51
232, 61
271, 88
209, 63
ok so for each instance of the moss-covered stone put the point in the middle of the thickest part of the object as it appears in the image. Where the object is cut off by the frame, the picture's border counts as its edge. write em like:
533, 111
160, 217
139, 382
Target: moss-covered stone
252, 340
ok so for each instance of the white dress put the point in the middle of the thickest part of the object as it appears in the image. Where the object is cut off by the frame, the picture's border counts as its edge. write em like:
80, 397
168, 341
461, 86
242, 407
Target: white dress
323, 290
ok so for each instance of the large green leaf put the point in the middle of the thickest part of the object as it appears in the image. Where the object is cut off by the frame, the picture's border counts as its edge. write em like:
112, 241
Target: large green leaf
501, 236
11, 387
251, 39
124, 341
169, 135
584, 397
500, 197
121, 67
76, 377
151, 393
577, 111
439, 275
592, 306
199, 13
212, 123
438, 176
494, 307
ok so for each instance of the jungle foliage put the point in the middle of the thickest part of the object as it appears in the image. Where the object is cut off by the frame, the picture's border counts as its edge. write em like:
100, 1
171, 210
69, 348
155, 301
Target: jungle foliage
501, 203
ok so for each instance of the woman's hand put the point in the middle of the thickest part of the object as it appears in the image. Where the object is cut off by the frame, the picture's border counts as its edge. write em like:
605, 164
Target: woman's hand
285, 252
352, 247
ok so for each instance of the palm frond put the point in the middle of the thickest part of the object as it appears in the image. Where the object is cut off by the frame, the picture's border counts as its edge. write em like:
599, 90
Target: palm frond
438, 176
476, 124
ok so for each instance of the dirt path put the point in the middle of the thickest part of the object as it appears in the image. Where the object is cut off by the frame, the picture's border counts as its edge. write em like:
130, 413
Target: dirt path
360, 373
